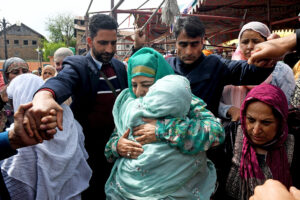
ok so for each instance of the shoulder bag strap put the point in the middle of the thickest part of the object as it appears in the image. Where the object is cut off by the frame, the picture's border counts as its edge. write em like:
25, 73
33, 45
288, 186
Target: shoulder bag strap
111, 87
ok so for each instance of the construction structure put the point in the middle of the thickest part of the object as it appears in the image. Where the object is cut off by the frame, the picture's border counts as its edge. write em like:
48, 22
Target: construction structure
222, 20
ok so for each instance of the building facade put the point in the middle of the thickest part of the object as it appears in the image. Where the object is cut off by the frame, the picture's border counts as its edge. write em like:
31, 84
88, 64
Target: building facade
21, 41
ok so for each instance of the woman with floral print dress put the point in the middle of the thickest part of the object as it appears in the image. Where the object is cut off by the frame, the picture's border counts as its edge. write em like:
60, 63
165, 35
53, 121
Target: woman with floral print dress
171, 163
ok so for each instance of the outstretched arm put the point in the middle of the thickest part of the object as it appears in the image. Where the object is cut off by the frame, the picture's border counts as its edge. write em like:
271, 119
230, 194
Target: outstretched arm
17, 136
201, 131
272, 49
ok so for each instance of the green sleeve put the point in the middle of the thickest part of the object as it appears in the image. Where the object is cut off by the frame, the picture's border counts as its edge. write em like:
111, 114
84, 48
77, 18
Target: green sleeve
199, 131
111, 152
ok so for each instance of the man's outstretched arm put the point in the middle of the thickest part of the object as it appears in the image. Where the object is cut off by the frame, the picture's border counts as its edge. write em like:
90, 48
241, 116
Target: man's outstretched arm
17, 136
276, 48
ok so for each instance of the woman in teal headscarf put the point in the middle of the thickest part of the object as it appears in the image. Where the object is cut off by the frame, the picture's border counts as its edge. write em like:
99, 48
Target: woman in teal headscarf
171, 163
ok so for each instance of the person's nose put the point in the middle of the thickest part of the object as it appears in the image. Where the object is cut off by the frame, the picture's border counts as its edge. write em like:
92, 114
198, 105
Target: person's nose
109, 47
140, 92
21, 72
250, 45
188, 50
256, 129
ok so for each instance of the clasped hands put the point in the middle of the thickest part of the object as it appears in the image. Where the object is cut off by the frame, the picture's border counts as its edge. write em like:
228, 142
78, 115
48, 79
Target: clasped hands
40, 120
144, 134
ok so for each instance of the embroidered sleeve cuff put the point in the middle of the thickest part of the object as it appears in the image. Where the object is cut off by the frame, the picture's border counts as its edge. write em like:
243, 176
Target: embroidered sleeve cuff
114, 148
160, 129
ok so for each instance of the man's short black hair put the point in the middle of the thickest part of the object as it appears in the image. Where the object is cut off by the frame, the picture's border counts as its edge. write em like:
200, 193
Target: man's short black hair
192, 26
101, 21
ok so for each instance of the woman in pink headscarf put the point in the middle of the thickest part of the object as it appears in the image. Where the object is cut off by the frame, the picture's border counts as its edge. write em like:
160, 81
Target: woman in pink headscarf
263, 148
282, 76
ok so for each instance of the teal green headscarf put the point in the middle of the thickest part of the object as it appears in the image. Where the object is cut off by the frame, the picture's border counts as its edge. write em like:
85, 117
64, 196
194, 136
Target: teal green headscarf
161, 171
147, 62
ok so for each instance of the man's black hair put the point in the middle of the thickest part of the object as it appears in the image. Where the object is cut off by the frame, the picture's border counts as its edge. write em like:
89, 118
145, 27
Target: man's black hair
101, 21
192, 26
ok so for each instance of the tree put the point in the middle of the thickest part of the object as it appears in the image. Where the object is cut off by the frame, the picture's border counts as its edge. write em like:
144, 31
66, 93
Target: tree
61, 29
50, 48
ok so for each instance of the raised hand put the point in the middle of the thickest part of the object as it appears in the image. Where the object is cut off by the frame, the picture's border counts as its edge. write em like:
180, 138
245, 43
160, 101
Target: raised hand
139, 38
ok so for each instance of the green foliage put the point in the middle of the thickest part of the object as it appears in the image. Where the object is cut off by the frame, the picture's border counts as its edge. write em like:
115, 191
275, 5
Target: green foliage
61, 29
50, 47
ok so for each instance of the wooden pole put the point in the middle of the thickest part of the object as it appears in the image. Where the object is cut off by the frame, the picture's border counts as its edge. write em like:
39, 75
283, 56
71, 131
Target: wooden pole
86, 23
4, 33
130, 14
150, 18
143, 27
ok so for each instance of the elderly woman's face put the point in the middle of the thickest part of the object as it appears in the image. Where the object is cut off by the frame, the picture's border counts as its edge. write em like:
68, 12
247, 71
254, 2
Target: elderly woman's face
248, 41
48, 73
15, 70
261, 123
141, 84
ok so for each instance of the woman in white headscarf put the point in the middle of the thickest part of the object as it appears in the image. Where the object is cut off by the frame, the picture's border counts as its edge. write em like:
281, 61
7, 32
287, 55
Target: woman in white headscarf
251, 34
12, 67
55, 169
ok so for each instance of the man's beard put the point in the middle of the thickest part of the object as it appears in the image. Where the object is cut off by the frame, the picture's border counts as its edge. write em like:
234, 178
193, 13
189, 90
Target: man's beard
103, 57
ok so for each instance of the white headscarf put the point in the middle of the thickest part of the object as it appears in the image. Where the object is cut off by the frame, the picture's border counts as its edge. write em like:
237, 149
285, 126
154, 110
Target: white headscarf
55, 169
257, 27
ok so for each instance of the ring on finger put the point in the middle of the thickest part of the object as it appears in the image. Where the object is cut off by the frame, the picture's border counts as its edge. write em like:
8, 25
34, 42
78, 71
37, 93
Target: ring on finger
128, 154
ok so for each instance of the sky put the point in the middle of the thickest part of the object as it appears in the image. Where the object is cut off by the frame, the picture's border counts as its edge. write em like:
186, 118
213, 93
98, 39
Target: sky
34, 13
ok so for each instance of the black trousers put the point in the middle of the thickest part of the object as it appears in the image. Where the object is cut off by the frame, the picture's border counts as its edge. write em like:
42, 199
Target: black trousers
95, 141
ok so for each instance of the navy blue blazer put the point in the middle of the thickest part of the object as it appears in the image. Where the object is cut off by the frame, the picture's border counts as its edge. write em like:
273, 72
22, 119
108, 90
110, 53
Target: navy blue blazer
209, 74
79, 79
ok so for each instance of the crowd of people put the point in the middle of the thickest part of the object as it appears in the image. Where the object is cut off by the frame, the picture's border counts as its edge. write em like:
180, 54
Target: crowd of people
159, 128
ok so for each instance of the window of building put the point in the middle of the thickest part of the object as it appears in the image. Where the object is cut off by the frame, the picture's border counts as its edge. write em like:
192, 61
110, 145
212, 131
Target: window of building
33, 42
16, 41
7, 41
25, 42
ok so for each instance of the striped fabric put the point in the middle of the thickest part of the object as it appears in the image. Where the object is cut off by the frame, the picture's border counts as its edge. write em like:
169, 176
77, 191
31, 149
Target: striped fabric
102, 108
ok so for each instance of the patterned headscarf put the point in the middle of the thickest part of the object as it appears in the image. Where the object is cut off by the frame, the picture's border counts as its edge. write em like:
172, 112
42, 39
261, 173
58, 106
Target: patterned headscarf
147, 62
18, 62
276, 159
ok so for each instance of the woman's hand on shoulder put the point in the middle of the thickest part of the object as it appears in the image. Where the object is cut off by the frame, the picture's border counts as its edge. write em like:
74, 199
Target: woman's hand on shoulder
128, 148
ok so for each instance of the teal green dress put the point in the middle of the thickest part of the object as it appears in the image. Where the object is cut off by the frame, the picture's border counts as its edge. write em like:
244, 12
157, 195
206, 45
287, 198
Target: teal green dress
161, 172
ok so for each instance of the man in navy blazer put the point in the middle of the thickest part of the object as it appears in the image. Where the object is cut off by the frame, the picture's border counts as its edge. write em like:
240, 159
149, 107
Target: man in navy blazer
93, 81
